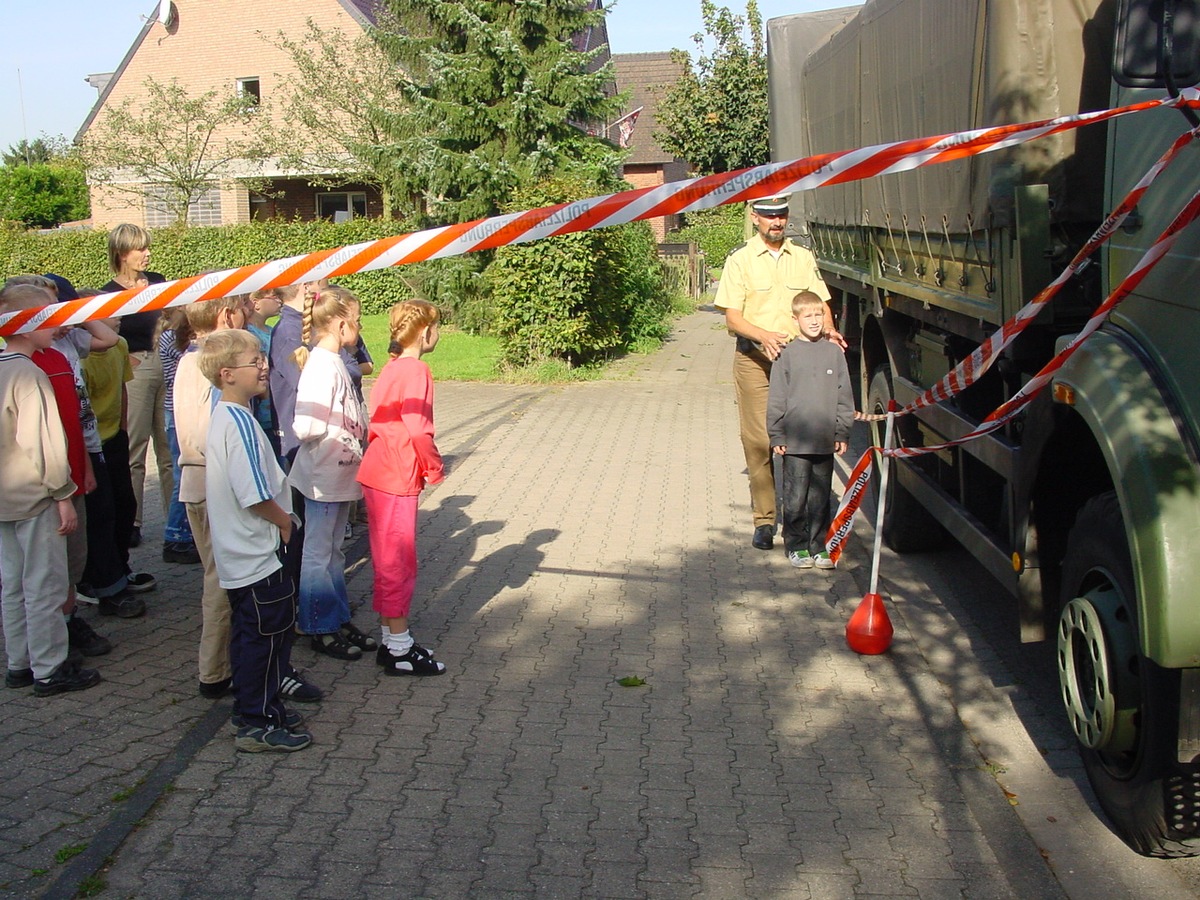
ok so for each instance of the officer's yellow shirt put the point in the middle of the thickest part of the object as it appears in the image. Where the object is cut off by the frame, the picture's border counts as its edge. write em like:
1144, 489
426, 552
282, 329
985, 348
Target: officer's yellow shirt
761, 286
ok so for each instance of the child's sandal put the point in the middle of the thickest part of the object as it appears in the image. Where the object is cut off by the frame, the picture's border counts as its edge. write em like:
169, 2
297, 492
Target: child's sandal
359, 638
417, 661
335, 645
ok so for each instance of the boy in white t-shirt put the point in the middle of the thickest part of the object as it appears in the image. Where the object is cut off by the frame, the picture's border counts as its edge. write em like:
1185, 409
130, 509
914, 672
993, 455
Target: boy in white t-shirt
249, 496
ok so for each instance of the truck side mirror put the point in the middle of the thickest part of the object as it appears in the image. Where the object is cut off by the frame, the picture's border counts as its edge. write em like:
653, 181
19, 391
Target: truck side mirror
1146, 31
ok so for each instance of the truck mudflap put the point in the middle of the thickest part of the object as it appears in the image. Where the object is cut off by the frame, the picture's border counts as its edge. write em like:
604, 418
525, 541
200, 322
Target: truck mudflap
1157, 483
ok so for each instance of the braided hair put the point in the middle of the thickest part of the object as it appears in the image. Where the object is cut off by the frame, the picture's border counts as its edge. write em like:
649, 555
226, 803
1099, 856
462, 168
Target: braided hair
407, 320
330, 304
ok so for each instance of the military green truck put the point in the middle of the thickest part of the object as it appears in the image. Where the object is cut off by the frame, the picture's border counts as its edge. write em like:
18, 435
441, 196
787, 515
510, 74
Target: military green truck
1086, 507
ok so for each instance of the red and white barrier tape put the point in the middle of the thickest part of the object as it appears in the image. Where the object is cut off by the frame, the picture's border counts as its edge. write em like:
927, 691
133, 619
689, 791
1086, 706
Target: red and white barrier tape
564, 218
852, 498
1005, 412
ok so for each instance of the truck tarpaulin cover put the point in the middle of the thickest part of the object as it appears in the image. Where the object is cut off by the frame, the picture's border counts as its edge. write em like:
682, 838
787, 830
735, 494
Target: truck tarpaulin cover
904, 67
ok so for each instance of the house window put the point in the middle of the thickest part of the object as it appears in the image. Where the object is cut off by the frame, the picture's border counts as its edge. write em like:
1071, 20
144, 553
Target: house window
205, 210
250, 88
343, 206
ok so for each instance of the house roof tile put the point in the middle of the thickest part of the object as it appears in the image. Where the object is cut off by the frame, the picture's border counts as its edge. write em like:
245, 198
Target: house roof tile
646, 77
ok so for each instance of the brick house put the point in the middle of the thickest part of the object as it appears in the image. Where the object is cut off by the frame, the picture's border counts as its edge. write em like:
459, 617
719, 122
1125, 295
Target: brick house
209, 45
646, 77
218, 45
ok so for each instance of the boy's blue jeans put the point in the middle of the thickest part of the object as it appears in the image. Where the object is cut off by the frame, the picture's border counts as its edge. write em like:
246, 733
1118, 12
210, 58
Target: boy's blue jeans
324, 603
177, 530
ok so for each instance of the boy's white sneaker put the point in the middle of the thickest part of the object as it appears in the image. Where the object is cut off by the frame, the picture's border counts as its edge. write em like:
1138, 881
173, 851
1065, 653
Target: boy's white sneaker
801, 559
823, 561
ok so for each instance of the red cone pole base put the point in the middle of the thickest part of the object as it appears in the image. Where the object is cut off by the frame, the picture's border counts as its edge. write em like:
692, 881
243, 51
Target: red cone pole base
869, 630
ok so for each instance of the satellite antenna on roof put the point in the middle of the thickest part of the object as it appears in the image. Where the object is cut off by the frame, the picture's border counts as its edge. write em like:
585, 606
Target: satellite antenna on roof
166, 13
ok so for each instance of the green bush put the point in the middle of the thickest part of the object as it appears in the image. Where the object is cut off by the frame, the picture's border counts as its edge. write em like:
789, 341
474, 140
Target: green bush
42, 194
579, 296
717, 232
177, 252
457, 286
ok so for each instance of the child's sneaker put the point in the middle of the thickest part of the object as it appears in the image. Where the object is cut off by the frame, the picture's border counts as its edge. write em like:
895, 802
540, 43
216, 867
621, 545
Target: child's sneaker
417, 661
141, 582
294, 686
82, 637
823, 561
18, 678
291, 721
801, 559
67, 677
253, 739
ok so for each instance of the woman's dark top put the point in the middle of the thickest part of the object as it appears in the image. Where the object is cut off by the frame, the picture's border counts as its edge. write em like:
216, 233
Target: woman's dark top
138, 328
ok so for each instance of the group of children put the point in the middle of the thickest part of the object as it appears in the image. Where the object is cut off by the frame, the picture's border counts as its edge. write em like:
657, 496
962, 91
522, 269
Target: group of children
281, 494
74, 412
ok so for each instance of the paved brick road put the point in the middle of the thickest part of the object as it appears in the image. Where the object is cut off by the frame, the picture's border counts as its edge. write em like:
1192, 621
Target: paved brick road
584, 533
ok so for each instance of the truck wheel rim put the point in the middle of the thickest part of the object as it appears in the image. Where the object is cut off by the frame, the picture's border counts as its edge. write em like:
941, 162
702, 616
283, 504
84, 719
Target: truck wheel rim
1083, 673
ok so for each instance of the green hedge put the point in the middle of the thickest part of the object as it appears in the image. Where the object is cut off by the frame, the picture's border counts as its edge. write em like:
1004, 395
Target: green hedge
577, 297
717, 232
82, 256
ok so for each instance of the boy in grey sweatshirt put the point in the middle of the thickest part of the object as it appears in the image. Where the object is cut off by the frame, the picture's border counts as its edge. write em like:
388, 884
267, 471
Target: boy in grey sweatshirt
810, 408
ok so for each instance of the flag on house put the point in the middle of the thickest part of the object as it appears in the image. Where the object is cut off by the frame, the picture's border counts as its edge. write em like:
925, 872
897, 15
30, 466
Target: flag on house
624, 126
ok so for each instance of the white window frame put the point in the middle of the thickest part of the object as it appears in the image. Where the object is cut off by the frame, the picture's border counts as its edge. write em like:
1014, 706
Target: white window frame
350, 200
204, 210
244, 89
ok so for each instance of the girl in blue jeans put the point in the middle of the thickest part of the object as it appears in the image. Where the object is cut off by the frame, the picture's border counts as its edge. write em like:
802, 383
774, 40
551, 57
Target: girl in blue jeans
331, 426
178, 546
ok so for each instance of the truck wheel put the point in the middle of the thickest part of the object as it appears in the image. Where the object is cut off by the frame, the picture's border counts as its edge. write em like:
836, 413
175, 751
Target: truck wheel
1123, 708
907, 525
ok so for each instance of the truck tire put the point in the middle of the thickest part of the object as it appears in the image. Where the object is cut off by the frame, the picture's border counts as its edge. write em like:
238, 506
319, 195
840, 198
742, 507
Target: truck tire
1123, 708
907, 525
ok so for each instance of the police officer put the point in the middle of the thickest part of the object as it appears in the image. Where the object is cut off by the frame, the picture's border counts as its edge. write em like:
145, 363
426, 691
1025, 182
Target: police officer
758, 283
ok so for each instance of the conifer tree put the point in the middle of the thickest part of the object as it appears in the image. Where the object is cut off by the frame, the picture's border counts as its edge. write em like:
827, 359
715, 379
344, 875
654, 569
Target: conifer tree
499, 96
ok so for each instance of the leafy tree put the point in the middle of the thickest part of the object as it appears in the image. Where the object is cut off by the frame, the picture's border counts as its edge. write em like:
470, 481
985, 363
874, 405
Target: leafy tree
496, 93
26, 153
42, 195
715, 116
343, 89
181, 144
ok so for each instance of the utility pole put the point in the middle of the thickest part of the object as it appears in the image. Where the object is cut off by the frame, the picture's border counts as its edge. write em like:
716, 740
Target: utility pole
24, 130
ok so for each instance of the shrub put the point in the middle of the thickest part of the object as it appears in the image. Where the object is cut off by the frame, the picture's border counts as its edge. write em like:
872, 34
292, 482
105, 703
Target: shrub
42, 194
579, 296
717, 232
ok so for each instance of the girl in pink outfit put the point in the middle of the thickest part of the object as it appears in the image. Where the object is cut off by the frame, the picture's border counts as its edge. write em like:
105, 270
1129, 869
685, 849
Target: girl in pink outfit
401, 458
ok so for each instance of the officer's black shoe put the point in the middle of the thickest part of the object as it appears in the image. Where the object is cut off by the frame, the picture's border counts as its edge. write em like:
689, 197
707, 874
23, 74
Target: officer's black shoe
764, 537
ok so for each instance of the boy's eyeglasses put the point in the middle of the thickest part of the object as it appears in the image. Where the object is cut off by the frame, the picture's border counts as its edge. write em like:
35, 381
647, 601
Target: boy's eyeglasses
259, 362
